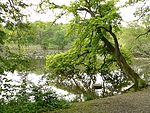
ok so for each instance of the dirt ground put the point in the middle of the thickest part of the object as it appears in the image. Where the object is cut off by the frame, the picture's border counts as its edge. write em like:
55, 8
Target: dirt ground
137, 102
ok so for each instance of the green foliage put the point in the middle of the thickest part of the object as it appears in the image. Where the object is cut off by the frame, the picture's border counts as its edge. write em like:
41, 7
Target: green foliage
11, 15
68, 67
11, 12
12, 61
41, 33
76, 74
129, 39
2, 34
29, 98
142, 11
76, 69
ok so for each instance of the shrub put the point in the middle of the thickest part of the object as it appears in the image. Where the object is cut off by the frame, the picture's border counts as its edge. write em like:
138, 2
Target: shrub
30, 98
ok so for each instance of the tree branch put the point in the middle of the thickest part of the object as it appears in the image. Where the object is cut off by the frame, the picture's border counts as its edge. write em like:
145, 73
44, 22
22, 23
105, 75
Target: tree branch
114, 37
146, 33
87, 10
58, 17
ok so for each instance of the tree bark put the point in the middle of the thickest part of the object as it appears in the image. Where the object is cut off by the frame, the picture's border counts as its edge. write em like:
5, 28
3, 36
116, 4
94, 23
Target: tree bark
125, 67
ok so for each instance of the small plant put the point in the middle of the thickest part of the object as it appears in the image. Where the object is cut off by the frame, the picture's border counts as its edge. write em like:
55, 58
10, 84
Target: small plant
29, 98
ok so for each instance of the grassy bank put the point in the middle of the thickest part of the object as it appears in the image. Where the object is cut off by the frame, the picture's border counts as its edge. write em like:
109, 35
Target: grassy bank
137, 102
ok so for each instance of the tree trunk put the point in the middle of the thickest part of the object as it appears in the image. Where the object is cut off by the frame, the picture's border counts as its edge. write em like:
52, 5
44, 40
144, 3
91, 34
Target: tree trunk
125, 67
138, 82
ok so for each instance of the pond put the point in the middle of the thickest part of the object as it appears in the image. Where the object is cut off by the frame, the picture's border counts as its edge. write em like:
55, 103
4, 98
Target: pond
11, 81
141, 65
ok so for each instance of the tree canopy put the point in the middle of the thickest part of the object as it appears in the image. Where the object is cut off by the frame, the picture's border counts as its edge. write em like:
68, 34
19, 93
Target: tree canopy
96, 49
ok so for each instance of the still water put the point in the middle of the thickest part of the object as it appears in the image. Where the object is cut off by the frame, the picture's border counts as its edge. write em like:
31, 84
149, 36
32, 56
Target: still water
142, 66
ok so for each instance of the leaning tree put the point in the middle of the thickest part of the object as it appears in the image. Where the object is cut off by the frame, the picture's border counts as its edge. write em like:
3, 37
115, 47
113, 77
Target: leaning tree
95, 23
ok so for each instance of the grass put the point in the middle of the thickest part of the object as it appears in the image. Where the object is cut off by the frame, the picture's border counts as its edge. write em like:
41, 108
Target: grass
137, 102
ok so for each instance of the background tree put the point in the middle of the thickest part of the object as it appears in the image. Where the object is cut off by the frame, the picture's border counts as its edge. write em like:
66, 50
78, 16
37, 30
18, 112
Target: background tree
142, 13
129, 39
10, 15
43, 34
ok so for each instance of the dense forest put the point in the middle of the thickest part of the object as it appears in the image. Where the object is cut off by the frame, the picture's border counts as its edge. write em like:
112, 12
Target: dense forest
91, 56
